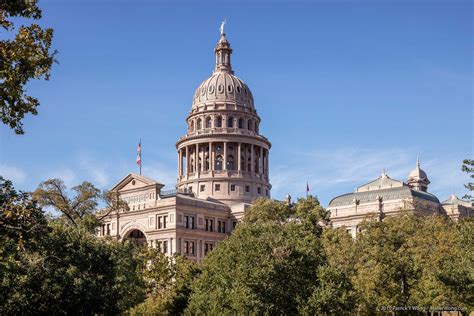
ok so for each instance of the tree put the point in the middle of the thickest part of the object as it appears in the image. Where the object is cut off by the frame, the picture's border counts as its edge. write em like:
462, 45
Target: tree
168, 283
414, 261
468, 166
269, 265
82, 208
49, 267
27, 56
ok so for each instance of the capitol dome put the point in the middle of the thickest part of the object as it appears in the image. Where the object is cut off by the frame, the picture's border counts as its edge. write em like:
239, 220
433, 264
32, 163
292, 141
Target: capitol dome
223, 85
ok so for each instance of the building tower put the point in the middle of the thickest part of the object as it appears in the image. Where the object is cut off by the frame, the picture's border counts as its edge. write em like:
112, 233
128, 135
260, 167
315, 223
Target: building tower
417, 179
223, 156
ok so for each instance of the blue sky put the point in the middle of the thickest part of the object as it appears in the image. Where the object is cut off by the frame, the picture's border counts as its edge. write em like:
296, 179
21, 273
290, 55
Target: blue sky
344, 89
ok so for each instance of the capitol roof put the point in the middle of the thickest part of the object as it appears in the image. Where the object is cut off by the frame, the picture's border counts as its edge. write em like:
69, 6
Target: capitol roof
383, 188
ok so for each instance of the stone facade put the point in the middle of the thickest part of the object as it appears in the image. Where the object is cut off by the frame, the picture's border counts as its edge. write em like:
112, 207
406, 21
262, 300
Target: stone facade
223, 166
386, 197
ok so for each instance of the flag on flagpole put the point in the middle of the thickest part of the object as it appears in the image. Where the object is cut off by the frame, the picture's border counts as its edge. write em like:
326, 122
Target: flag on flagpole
139, 155
307, 189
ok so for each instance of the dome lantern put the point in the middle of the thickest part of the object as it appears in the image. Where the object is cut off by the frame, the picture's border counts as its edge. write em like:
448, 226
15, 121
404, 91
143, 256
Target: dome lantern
417, 179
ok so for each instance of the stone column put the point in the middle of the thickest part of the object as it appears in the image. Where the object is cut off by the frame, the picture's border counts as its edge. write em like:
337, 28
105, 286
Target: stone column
180, 161
211, 157
252, 159
187, 160
225, 157
196, 159
260, 161
239, 152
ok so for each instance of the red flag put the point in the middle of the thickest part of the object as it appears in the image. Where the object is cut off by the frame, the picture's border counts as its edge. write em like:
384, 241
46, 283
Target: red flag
139, 154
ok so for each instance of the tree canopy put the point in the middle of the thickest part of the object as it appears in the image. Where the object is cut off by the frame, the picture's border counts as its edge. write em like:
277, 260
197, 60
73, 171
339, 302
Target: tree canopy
28, 55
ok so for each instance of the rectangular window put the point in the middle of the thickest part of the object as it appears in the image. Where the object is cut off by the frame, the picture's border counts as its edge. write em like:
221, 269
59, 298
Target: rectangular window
208, 247
234, 223
160, 222
191, 248
217, 187
189, 221
165, 220
221, 227
202, 188
209, 224
186, 247
232, 187
259, 190
108, 229
165, 246
247, 188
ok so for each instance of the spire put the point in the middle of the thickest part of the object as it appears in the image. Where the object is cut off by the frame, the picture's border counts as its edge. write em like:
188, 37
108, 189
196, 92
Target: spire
418, 161
223, 52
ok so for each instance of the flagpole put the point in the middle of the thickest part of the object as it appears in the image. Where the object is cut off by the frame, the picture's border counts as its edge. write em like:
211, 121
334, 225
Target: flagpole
141, 161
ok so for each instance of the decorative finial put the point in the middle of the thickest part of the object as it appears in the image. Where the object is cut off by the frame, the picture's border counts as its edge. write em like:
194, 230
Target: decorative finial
418, 161
384, 175
221, 29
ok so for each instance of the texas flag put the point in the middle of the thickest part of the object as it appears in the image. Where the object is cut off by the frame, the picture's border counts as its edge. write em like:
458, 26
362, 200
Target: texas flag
139, 153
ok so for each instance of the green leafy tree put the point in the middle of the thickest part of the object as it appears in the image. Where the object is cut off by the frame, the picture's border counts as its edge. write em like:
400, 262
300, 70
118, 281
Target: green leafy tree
82, 207
269, 265
168, 283
414, 261
468, 166
28, 55
51, 268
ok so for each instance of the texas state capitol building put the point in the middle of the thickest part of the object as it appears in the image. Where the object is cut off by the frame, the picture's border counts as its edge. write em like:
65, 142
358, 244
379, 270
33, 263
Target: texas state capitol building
222, 167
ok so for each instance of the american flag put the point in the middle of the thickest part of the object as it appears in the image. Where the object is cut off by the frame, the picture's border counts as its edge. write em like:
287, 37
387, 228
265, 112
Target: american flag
139, 153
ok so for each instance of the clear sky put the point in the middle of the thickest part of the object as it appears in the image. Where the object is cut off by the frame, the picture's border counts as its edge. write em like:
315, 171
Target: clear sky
344, 89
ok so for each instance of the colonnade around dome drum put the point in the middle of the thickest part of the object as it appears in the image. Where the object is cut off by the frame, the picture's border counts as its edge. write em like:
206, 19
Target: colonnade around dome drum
223, 157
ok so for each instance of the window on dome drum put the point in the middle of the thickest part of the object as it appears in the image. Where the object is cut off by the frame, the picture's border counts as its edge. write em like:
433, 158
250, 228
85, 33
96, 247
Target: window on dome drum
199, 124
266, 192
191, 128
217, 187
218, 166
232, 187
230, 122
208, 122
249, 125
219, 121
241, 123
230, 162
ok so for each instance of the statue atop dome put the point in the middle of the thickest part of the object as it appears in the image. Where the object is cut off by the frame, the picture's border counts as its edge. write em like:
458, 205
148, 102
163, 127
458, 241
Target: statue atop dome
221, 28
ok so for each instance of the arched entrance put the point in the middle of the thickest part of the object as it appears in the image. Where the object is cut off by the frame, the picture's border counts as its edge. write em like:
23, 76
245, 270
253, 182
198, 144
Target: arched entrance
136, 236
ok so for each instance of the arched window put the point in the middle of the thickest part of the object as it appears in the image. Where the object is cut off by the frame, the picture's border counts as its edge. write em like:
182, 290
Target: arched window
207, 163
191, 127
249, 125
219, 121
218, 165
241, 123
256, 127
230, 162
208, 122
242, 163
199, 124
230, 122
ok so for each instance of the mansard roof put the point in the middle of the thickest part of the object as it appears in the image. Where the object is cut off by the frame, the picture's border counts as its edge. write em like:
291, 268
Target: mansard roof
383, 188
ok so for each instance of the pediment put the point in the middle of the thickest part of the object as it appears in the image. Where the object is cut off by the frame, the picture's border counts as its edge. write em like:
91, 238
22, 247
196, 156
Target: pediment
134, 181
